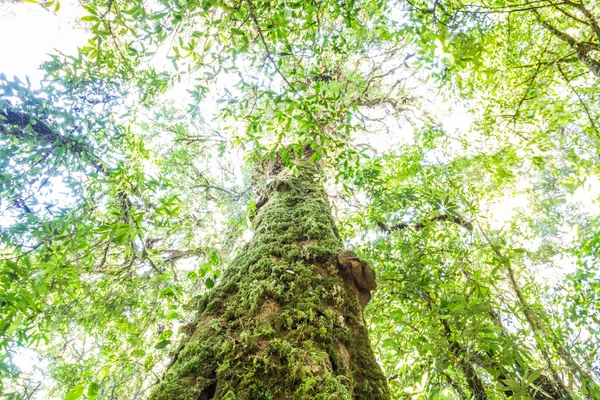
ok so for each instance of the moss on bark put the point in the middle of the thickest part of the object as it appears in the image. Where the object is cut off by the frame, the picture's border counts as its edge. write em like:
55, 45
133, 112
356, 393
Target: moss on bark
285, 322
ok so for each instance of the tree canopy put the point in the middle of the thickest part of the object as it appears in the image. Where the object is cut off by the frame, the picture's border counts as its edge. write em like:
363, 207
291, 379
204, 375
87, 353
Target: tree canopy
458, 142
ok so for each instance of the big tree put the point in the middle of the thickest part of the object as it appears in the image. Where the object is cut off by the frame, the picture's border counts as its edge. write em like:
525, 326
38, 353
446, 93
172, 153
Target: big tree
286, 320
142, 257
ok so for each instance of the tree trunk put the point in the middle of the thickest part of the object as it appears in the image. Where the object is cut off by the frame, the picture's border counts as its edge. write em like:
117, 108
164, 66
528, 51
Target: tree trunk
542, 387
286, 320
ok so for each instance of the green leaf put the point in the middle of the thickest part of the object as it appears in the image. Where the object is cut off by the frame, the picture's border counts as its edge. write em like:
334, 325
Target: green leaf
138, 353
103, 373
214, 257
93, 390
162, 344
534, 375
75, 393
167, 333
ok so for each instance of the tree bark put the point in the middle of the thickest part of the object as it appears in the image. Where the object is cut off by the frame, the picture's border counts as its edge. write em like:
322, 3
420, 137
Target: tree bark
286, 320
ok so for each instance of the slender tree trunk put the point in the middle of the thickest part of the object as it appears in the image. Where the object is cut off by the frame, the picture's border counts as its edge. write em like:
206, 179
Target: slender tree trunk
544, 336
462, 358
542, 388
475, 384
286, 320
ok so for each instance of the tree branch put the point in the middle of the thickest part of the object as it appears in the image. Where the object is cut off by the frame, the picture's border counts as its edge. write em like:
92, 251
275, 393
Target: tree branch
45, 133
420, 225
582, 48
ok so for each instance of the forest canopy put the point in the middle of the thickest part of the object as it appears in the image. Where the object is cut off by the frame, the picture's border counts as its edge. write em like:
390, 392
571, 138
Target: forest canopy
457, 143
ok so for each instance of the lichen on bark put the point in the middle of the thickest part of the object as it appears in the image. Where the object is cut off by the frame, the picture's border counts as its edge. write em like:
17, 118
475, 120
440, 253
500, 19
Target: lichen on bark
285, 321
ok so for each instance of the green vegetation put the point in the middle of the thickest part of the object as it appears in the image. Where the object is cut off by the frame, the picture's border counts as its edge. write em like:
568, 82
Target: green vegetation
178, 198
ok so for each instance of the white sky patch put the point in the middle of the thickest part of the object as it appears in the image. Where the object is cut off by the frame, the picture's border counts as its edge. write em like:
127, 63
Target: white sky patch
33, 366
247, 235
34, 32
504, 209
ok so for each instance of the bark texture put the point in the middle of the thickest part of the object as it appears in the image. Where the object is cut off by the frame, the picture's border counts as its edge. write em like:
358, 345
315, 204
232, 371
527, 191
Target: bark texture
286, 320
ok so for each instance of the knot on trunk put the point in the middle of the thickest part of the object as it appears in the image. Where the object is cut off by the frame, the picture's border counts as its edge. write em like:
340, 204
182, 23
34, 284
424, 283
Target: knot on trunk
361, 273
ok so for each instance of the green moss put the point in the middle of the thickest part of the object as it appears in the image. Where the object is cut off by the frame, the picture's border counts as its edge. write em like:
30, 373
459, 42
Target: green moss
281, 324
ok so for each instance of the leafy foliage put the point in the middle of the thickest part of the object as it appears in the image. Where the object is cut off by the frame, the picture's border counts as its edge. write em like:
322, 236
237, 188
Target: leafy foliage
127, 178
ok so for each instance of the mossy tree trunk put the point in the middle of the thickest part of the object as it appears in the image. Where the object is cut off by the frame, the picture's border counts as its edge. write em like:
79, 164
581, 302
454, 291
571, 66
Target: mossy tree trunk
286, 320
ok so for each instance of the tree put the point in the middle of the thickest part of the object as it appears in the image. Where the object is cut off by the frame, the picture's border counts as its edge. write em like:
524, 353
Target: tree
137, 273
286, 320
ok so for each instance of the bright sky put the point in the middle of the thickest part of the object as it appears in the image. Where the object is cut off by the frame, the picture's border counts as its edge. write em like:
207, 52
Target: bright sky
30, 32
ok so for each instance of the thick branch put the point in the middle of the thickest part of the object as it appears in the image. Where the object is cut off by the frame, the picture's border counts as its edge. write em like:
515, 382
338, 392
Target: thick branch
582, 48
44, 133
593, 22
420, 225
174, 254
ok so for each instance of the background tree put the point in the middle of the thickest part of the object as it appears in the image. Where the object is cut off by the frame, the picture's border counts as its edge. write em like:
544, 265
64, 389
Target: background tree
105, 284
